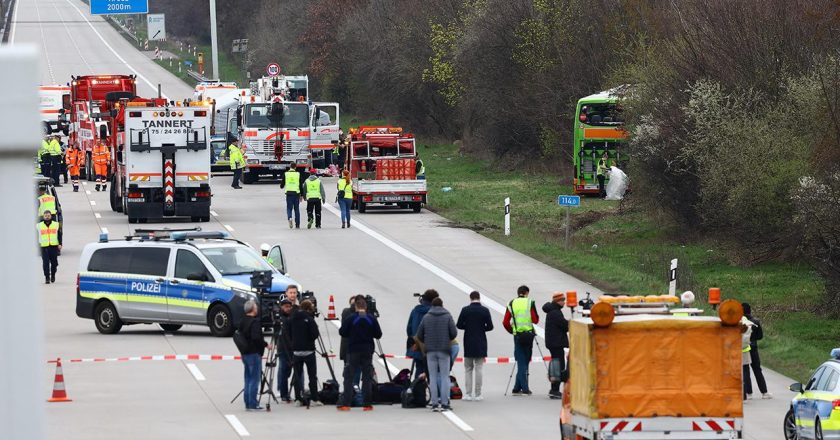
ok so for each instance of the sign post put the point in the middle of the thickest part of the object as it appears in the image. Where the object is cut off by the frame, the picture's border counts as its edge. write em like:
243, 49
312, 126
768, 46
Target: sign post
114, 7
672, 278
507, 216
156, 27
568, 202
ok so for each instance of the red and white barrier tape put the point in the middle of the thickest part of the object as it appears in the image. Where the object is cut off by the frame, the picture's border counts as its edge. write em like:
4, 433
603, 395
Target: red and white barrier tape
227, 357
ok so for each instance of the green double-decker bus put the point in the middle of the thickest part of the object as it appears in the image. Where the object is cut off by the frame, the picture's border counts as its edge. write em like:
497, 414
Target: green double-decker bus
599, 128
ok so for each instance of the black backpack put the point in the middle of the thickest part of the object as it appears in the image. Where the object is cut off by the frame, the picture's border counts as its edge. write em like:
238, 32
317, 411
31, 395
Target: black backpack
329, 393
416, 395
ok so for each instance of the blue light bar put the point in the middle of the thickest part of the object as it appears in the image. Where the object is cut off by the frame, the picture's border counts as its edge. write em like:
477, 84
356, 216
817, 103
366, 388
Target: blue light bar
180, 236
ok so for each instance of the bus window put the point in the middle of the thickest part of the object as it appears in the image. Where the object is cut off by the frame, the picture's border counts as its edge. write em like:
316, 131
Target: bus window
601, 114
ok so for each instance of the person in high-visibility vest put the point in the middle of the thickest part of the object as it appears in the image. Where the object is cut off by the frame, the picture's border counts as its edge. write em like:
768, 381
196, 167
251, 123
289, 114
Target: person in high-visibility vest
44, 157
237, 162
46, 202
54, 149
602, 174
100, 157
75, 160
746, 359
520, 318
345, 198
49, 238
292, 185
315, 196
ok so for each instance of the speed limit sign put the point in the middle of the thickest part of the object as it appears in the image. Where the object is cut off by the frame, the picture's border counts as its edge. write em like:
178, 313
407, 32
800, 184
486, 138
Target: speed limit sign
272, 69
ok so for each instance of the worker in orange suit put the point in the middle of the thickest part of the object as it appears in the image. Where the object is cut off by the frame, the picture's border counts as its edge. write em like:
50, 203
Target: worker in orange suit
100, 156
75, 160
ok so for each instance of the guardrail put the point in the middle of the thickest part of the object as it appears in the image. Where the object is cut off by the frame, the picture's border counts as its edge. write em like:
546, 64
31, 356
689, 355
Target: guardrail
7, 21
123, 29
197, 76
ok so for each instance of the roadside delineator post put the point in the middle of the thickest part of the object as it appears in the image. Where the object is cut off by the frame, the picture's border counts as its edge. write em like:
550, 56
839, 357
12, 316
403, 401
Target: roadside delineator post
59, 393
507, 216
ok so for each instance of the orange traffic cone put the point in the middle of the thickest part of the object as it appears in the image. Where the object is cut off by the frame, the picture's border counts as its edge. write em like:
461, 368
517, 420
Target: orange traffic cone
331, 310
59, 394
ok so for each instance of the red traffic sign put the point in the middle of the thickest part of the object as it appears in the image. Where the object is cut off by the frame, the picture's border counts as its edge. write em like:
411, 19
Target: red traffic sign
272, 69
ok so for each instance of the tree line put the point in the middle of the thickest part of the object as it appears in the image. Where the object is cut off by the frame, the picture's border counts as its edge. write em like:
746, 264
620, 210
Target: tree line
733, 110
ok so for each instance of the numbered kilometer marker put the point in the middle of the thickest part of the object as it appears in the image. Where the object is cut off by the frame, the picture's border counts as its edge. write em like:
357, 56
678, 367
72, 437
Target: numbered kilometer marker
568, 200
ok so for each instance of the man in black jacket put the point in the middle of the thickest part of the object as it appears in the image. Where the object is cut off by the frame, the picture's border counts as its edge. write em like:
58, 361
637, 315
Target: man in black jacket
251, 330
475, 321
755, 360
284, 350
342, 350
304, 332
360, 329
556, 340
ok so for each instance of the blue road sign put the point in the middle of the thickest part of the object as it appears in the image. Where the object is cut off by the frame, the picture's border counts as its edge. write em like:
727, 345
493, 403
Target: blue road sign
568, 200
111, 7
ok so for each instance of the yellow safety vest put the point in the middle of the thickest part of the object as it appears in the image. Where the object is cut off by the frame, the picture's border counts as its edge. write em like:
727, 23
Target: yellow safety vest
313, 189
236, 158
292, 181
48, 235
520, 311
44, 150
346, 187
46, 202
54, 148
602, 167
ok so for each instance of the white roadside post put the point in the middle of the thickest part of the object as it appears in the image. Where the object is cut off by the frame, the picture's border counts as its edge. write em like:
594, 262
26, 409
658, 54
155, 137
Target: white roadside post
507, 216
214, 43
672, 278
21, 329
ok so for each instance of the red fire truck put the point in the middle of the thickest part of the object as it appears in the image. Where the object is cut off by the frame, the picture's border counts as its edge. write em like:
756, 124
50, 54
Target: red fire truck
92, 105
383, 165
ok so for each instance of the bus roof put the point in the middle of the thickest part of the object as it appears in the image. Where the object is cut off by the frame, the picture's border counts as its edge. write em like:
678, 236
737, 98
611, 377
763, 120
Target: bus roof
610, 96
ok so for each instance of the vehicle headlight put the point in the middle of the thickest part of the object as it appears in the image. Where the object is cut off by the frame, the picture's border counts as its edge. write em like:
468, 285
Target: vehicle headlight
244, 294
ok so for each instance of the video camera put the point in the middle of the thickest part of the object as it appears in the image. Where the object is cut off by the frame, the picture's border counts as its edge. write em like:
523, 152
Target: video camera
587, 302
371, 306
310, 296
269, 303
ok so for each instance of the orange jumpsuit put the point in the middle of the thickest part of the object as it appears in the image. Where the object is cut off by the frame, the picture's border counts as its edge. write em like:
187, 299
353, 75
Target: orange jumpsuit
75, 160
100, 162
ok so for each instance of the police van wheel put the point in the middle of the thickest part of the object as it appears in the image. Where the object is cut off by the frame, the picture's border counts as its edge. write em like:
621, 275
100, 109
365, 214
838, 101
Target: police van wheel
170, 327
106, 318
220, 321
818, 433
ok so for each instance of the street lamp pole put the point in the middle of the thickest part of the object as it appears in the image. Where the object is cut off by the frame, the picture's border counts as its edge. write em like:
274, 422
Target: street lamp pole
214, 40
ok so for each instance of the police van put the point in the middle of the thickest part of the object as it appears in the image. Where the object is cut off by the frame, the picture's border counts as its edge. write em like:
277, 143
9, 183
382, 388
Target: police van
172, 278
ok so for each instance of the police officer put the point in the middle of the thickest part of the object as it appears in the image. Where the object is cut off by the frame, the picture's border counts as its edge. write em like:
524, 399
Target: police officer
519, 320
46, 202
54, 149
237, 162
49, 237
292, 186
315, 195
44, 157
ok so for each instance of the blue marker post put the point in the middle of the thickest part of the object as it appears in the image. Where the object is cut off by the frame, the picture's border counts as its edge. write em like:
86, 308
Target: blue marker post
568, 202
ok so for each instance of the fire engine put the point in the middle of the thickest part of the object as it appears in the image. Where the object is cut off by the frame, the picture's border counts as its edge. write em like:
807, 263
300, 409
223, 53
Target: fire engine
383, 166
91, 106
280, 129
54, 98
161, 160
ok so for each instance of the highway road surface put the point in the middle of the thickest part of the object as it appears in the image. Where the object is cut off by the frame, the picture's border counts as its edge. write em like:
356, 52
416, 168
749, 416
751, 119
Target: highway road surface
387, 254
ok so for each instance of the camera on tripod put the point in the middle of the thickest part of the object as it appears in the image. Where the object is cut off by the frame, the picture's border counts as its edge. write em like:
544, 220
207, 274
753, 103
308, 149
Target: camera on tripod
310, 296
371, 306
261, 281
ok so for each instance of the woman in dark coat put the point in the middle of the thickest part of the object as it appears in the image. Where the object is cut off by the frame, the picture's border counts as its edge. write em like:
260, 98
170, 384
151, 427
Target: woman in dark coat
556, 340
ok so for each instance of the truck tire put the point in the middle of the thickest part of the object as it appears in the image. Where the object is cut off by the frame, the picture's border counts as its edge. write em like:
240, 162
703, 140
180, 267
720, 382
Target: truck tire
220, 321
249, 178
362, 206
106, 318
416, 207
112, 196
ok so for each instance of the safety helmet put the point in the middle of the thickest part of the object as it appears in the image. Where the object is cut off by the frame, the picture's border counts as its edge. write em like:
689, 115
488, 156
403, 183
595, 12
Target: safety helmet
687, 298
265, 247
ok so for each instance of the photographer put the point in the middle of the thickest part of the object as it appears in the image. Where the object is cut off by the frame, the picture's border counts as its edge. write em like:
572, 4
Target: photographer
284, 350
360, 329
417, 314
304, 332
342, 350
252, 348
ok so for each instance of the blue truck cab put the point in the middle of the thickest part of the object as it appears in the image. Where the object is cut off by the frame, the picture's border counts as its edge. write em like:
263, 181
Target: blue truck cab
172, 278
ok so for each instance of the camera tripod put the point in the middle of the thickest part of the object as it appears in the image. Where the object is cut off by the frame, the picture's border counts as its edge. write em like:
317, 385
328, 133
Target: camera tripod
267, 380
528, 373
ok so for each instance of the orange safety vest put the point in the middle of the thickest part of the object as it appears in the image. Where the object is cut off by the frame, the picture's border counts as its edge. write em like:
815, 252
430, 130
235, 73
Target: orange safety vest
100, 154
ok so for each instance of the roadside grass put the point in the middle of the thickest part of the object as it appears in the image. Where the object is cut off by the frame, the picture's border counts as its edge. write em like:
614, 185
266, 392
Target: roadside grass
625, 250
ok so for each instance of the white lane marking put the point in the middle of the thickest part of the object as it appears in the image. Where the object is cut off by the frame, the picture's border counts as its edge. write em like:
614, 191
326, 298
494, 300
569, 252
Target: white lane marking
213, 213
391, 367
14, 25
139, 75
87, 191
97, 215
426, 264
104, 230
457, 421
93, 203
85, 184
72, 40
229, 228
195, 372
237, 425
44, 43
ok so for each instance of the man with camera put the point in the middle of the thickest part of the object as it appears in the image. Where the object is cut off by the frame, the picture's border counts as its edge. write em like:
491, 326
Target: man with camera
417, 314
360, 329
249, 340
520, 318
304, 332
284, 349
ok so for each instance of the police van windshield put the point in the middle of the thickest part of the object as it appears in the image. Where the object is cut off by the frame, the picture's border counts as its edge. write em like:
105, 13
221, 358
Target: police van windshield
235, 260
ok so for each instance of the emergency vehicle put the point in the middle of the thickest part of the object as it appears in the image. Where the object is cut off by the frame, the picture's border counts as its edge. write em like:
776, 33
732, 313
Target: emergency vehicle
92, 102
815, 410
279, 129
54, 99
641, 369
171, 278
383, 166
161, 159
221, 97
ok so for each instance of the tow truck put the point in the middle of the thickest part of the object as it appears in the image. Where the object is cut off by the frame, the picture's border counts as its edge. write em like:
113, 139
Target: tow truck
161, 160
54, 99
91, 106
220, 97
642, 369
382, 161
280, 129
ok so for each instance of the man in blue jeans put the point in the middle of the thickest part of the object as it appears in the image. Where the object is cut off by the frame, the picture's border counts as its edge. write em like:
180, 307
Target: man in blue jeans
251, 330
520, 318
292, 185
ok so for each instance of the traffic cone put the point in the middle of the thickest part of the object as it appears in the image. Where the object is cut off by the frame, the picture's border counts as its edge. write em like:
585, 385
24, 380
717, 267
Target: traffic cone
59, 394
331, 310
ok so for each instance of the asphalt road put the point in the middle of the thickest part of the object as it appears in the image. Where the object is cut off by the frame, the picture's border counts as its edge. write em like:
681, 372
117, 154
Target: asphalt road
387, 254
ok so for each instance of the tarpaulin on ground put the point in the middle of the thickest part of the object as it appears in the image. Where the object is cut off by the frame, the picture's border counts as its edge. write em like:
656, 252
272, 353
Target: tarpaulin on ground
617, 185
648, 366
